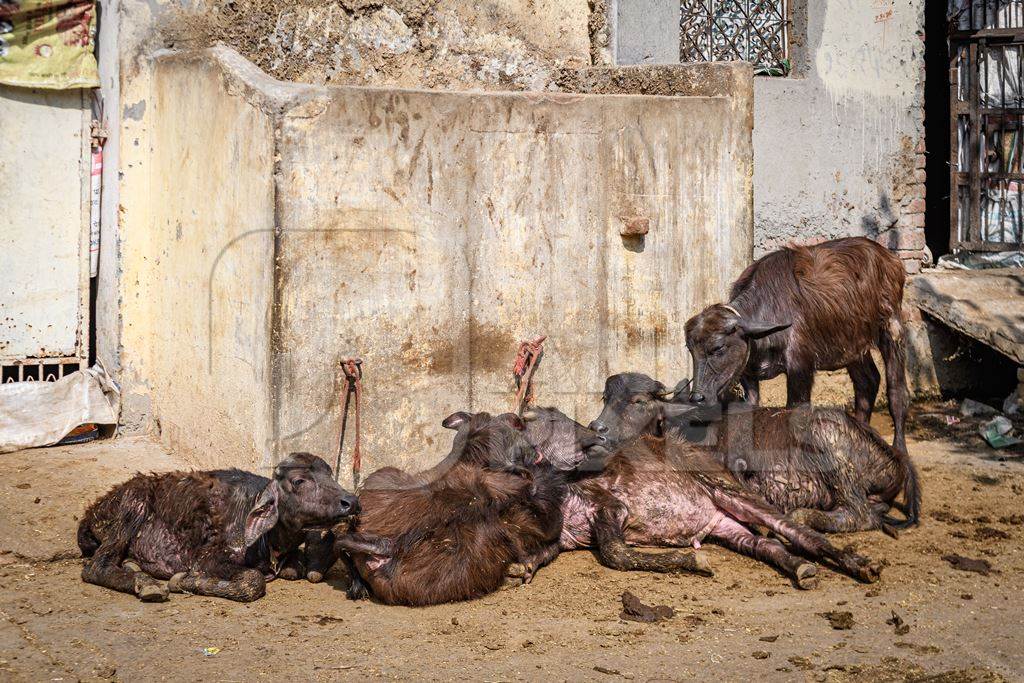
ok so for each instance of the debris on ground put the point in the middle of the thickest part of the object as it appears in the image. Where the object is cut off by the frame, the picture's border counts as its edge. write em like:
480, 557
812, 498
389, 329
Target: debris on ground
987, 533
972, 408
967, 564
209, 651
998, 432
840, 621
802, 663
900, 627
919, 649
610, 672
760, 654
634, 610
768, 639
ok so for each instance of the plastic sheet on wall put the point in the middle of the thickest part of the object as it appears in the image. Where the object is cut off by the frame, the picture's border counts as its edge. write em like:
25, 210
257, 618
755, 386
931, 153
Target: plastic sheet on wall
48, 43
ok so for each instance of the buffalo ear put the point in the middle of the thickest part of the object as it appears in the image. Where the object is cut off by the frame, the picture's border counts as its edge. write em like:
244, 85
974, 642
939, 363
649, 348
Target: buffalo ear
674, 410
263, 515
530, 415
456, 420
755, 329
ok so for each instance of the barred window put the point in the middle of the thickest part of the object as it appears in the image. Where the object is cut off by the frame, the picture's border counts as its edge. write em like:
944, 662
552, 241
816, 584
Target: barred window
724, 30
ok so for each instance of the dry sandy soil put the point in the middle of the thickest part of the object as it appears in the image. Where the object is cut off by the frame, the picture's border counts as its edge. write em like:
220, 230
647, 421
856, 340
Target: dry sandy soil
746, 621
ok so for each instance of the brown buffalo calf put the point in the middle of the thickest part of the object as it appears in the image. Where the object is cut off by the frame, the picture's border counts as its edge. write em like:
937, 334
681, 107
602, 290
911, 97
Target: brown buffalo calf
803, 309
453, 534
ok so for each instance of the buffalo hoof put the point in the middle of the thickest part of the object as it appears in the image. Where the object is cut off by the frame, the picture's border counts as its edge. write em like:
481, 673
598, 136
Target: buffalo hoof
702, 563
131, 566
152, 592
174, 583
289, 574
313, 576
806, 576
521, 571
357, 591
870, 572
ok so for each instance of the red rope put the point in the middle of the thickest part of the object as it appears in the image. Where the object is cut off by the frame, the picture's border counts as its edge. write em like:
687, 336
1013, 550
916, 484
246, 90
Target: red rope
353, 369
527, 358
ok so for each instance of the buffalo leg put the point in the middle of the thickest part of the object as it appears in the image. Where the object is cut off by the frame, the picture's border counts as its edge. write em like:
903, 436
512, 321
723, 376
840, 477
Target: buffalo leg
735, 536
890, 343
612, 550
320, 555
105, 568
368, 544
527, 566
357, 588
835, 521
293, 567
749, 510
799, 383
864, 375
242, 584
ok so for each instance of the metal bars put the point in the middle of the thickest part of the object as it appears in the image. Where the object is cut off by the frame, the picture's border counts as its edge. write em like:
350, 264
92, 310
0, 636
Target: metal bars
987, 125
725, 30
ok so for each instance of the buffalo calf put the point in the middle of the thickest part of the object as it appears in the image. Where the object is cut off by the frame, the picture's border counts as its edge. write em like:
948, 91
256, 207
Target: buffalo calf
222, 533
818, 465
802, 309
454, 532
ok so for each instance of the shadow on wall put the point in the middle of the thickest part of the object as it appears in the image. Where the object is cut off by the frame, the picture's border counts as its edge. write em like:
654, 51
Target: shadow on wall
884, 221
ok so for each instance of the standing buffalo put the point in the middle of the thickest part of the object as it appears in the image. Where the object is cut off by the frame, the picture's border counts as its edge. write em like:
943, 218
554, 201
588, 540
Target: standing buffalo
819, 465
802, 309
222, 533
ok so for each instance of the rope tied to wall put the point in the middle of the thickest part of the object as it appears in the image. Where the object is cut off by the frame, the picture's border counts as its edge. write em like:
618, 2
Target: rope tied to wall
527, 359
353, 369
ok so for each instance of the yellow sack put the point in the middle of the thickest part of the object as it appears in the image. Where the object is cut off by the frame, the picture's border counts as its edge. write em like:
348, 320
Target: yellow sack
48, 43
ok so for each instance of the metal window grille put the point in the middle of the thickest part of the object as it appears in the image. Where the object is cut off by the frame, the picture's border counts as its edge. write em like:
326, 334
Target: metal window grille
987, 136
37, 369
755, 31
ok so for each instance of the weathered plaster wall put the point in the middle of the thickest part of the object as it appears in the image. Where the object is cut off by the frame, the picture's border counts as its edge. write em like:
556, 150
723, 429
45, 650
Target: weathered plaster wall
427, 232
838, 146
208, 272
839, 143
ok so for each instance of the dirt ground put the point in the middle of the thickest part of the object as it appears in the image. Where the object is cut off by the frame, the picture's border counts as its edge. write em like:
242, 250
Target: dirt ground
746, 621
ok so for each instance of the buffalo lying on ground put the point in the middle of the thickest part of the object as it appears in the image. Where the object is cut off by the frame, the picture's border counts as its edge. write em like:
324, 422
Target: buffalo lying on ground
656, 491
222, 533
452, 533
819, 465
802, 309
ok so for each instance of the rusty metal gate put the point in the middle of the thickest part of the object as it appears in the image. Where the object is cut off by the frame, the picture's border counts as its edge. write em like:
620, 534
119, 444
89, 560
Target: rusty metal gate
987, 124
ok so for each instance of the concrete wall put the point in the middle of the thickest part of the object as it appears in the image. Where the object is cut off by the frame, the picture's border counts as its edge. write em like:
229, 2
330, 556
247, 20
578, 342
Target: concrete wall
208, 280
838, 146
427, 232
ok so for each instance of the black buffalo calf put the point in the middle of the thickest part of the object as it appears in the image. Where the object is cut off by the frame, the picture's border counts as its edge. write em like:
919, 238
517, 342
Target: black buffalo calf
222, 533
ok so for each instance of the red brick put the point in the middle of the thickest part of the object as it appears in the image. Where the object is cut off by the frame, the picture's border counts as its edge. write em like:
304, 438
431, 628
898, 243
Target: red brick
920, 149
912, 266
914, 220
920, 161
903, 240
916, 206
920, 175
